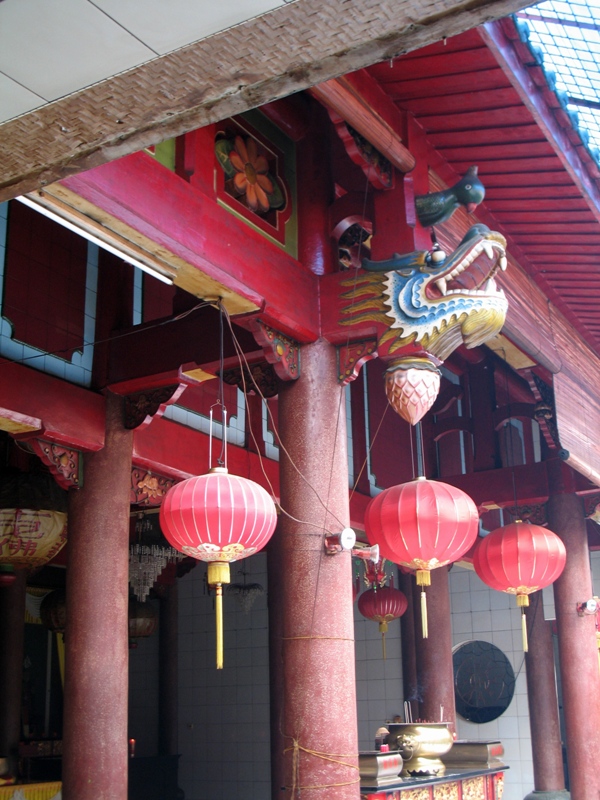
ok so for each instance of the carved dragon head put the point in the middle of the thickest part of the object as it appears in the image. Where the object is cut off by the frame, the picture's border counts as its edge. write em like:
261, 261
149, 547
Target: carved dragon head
433, 301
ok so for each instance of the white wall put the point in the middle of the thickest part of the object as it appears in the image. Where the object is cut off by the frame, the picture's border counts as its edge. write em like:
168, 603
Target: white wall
480, 613
224, 727
224, 714
379, 690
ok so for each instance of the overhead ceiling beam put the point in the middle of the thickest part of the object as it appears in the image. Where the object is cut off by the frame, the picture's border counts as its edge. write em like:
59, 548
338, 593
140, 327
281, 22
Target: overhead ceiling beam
290, 49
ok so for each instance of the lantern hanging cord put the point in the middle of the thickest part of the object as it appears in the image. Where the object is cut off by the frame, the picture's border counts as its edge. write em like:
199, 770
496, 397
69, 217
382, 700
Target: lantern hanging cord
65, 351
246, 368
372, 444
222, 458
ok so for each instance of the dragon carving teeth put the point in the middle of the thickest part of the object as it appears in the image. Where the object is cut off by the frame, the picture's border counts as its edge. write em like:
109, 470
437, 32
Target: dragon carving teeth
425, 307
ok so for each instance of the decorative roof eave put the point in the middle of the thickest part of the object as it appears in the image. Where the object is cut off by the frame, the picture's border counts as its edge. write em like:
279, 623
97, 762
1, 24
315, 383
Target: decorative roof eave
294, 47
583, 174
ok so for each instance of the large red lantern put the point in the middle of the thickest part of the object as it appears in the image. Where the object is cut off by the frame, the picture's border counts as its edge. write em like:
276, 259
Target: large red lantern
422, 525
218, 518
382, 605
519, 559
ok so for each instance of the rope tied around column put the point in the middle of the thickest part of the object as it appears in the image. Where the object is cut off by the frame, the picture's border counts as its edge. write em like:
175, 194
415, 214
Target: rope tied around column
296, 748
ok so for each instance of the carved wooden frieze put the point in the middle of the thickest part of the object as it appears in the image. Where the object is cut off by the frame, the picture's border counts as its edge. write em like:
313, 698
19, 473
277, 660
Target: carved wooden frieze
142, 406
64, 463
259, 376
544, 412
591, 504
147, 488
352, 356
280, 351
536, 514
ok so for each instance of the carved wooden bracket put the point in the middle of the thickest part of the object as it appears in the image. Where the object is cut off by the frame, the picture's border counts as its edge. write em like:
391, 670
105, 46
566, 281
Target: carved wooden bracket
535, 514
591, 503
544, 412
259, 376
377, 168
63, 462
351, 357
141, 407
281, 352
148, 489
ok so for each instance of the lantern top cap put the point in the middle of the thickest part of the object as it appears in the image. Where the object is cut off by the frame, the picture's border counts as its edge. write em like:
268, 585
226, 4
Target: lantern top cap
218, 471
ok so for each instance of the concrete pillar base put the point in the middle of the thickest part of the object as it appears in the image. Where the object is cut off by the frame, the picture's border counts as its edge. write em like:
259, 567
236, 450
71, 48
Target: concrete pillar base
559, 794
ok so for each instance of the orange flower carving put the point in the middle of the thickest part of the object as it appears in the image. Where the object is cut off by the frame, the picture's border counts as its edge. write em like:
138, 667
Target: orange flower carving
251, 177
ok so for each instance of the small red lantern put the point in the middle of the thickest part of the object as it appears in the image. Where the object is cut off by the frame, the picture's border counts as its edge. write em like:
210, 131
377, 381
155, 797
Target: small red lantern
519, 559
422, 525
382, 605
218, 518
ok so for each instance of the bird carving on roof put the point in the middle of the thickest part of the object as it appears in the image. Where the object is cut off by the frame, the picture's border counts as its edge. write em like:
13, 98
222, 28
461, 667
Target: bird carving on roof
437, 207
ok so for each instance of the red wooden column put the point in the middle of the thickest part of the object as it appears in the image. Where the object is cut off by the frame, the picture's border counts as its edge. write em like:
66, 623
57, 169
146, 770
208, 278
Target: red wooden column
548, 773
317, 646
434, 654
12, 633
410, 683
96, 669
577, 648
168, 678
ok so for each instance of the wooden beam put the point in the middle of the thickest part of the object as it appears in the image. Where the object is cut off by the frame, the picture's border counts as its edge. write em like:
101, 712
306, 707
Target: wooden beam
361, 102
273, 55
214, 254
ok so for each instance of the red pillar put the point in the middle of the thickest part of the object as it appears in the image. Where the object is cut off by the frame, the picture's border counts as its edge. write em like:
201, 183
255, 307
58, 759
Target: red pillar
544, 722
410, 683
12, 633
96, 679
168, 678
577, 649
317, 648
434, 654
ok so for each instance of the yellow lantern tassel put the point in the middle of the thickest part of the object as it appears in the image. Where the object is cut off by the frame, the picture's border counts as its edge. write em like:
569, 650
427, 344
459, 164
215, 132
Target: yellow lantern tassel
424, 579
218, 574
523, 602
219, 624
383, 626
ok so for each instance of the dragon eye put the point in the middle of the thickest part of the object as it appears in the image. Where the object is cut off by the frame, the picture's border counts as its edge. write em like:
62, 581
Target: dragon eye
468, 186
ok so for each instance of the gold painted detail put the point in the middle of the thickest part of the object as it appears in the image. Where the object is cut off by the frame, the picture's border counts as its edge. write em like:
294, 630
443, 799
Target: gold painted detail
473, 789
499, 786
447, 791
415, 794
212, 552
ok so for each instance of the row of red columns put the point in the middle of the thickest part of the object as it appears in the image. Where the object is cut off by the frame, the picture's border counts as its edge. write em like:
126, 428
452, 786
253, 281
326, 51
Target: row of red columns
314, 727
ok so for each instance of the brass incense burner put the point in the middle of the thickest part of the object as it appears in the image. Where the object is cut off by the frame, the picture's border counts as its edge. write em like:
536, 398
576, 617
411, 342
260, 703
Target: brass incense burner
421, 744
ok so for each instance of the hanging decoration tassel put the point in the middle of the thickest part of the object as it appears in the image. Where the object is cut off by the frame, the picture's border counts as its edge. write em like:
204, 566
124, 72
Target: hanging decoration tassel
218, 574
383, 626
523, 602
424, 579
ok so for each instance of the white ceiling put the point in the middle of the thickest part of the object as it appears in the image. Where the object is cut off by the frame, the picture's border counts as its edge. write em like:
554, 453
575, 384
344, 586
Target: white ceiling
51, 48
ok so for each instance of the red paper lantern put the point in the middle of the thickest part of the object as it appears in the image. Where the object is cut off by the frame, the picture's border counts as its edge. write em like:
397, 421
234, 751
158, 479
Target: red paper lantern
519, 559
218, 518
422, 525
382, 605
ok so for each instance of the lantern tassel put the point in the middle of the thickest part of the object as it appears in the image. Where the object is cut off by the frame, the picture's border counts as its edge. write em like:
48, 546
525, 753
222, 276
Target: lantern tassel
424, 625
423, 580
523, 602
383, 626
219, 624
218, 574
